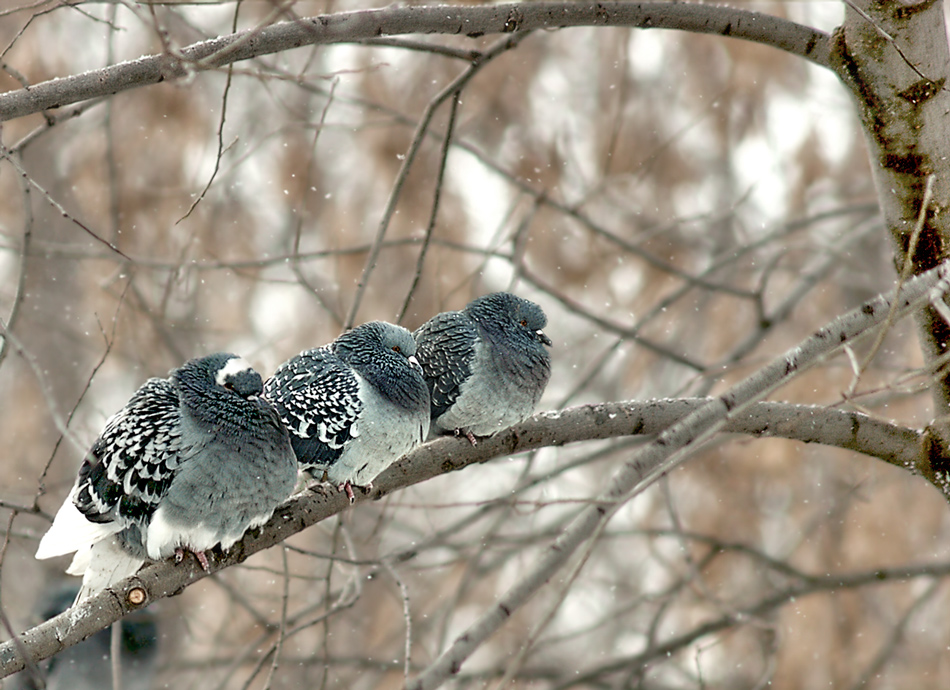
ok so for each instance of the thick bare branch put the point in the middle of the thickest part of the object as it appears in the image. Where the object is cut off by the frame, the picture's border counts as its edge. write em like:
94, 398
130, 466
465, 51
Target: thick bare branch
899, 85
358, 26
840, 428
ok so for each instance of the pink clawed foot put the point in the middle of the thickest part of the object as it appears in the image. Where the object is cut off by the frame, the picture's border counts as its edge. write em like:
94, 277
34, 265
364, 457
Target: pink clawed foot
200, 555
347, 488
467, 434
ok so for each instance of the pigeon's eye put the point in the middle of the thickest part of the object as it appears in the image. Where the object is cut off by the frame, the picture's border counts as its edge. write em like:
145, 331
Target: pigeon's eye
229, 386
396, 348
524, 322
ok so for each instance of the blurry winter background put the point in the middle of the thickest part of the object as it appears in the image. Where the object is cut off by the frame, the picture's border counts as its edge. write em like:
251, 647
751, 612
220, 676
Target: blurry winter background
683, 207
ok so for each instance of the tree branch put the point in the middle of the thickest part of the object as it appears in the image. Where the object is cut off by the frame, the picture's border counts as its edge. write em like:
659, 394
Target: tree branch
671, 447
899, 86
733, 411
844, 429
347, 27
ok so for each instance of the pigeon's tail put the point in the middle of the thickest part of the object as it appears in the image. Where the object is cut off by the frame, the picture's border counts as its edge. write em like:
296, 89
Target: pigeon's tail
72, 531
102, 565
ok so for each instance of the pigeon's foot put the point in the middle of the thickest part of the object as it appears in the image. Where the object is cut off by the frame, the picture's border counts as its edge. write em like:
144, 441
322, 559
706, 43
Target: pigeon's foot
467, 434
347, 488
200, 555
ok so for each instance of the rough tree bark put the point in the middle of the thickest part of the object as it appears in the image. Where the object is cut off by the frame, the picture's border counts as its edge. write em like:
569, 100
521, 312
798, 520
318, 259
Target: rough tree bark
893, 57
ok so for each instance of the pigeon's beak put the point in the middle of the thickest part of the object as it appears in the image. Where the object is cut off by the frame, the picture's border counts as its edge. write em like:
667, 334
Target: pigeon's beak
414, 363
543, 338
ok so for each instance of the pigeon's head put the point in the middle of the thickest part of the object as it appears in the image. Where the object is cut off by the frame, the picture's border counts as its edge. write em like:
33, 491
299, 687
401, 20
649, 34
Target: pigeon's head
377, 342
226, 370
384, 354
517, 317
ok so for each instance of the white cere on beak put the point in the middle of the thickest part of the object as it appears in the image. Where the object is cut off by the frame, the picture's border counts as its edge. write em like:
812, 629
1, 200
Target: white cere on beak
233, 366
414, 362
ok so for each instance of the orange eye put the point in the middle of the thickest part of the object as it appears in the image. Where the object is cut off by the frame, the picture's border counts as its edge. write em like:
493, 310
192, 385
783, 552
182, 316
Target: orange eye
524, 322
396, 348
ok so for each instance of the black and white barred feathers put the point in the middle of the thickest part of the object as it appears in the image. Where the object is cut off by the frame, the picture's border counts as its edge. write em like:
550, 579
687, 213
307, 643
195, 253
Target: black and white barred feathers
355, 406
191, 462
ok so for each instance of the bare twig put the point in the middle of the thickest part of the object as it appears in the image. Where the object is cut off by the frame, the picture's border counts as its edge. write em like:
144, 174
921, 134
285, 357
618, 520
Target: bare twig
433, 214
450, 91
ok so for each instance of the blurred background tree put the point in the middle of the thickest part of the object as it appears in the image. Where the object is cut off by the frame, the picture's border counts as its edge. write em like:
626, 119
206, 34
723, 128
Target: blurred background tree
685, 207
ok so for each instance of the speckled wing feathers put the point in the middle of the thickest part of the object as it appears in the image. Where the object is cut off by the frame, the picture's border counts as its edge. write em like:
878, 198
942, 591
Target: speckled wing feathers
318, 399
131, 465
445, 351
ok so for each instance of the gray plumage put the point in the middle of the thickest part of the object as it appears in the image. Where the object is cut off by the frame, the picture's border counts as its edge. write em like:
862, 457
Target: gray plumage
191, 462
486, 366
88, 665
355, 406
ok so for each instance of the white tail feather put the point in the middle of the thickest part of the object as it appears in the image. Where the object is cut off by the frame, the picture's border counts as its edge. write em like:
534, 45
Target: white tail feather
102, 565
71, 531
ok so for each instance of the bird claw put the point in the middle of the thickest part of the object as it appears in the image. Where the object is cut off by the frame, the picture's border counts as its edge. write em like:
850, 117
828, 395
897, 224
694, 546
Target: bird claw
200, 555
469, 435
347, 488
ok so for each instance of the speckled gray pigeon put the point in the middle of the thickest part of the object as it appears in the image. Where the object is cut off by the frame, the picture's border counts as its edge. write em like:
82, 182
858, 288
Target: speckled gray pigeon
88, 665
486, 366
191, 462
355, 406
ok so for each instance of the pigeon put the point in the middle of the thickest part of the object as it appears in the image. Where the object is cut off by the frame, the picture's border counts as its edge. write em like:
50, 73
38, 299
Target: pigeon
191, 462
88, 665
486, 366
355, 406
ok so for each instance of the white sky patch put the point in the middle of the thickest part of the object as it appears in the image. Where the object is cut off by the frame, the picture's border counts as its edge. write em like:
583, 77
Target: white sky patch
825, 16
755, 169
485, 197
832, 111
788, 123
648, 54
275, 310
343, 57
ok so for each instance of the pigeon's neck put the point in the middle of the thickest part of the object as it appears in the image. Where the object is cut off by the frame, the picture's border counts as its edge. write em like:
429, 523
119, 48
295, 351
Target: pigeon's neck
214, 407
402, 386
516, 356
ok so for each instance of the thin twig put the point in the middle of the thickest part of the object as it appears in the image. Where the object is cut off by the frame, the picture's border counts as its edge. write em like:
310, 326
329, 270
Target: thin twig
433, 214
450, 91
